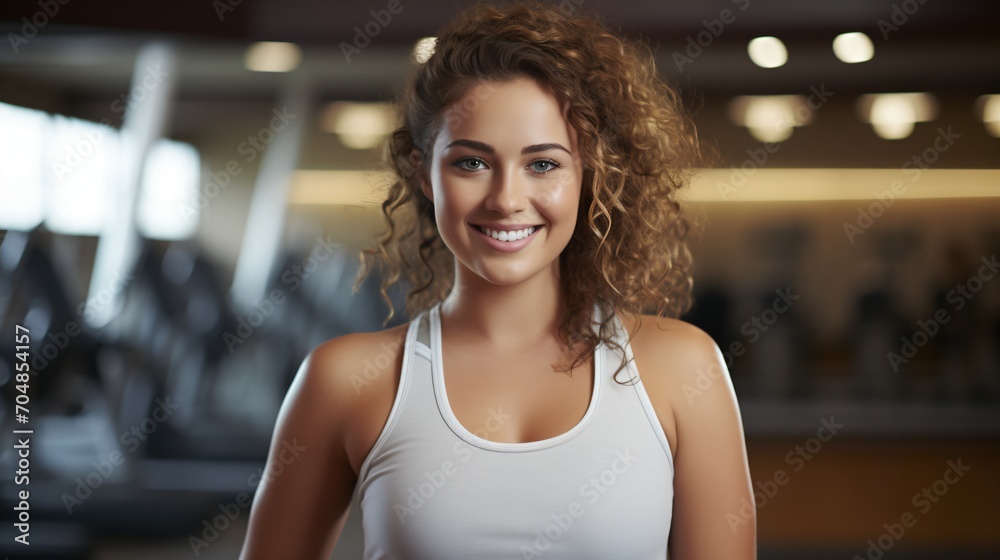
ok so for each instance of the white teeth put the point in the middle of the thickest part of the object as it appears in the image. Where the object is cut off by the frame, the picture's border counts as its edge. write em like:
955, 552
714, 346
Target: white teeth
508, 236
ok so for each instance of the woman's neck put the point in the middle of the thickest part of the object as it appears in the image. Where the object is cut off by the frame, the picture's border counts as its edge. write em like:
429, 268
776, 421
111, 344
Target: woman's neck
505, 316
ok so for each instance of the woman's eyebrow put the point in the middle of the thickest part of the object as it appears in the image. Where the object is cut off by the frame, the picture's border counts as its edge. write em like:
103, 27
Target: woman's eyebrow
542, 147
484, 147
474, 144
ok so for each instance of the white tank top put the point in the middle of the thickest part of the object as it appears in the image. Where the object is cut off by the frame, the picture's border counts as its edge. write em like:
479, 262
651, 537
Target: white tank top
432, 490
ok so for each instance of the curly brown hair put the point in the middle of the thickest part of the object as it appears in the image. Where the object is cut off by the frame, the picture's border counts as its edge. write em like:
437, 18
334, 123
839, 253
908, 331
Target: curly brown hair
629, 250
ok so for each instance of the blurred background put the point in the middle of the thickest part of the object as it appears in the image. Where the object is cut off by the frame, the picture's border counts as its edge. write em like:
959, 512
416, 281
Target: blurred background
184, 187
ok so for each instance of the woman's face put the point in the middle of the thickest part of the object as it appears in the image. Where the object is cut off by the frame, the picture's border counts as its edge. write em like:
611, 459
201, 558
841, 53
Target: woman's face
506, 159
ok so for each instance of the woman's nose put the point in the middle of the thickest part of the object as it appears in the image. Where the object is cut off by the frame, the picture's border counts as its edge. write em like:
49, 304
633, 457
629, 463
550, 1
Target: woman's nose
507, 194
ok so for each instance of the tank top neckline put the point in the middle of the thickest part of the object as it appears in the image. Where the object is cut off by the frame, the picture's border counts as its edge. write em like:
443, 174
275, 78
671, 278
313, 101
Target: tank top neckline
444, 406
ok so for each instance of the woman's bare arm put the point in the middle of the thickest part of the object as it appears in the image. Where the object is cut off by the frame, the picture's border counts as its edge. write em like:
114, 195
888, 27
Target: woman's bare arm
305, 494
714, 515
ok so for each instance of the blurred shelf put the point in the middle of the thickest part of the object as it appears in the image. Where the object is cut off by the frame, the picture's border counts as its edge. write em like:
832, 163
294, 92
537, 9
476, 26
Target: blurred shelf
774, 418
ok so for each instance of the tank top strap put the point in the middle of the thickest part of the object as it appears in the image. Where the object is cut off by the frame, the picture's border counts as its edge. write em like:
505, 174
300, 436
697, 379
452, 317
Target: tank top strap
412, 390
423, 328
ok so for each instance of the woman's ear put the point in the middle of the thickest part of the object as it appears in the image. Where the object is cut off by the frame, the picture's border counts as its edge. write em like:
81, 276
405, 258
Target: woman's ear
417, 167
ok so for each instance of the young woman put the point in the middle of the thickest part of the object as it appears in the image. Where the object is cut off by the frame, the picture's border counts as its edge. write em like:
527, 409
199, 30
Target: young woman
523, 412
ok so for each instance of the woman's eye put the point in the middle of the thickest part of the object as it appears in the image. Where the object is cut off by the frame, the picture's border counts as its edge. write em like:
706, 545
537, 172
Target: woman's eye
462, 164
547, 165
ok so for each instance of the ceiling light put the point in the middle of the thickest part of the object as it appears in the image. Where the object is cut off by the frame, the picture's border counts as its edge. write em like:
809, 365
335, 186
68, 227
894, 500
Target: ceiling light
770, 118
360, 126
423, 50
853, 47
267, 56
767, 52
893, 115
989, 111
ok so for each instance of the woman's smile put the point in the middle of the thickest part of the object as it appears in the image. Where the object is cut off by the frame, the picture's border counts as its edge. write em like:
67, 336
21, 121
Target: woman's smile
507, 240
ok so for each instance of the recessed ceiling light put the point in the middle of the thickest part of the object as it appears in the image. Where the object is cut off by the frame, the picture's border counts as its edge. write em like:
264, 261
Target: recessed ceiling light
360, 126
853, 47
423, 50
989, 111
770, 118
767, 52
269, 56
893, 115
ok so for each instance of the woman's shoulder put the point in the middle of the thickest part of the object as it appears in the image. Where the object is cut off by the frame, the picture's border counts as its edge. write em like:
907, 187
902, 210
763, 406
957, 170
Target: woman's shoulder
676, 340
359, 358
674, 354
351, 369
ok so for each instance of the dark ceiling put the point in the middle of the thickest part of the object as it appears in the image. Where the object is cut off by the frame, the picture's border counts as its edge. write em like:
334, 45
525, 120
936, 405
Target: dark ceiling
318, 22
83, 56
920, 44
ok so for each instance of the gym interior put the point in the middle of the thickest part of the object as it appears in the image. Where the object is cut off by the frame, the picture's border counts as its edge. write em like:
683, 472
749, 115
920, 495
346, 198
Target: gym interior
185, 186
